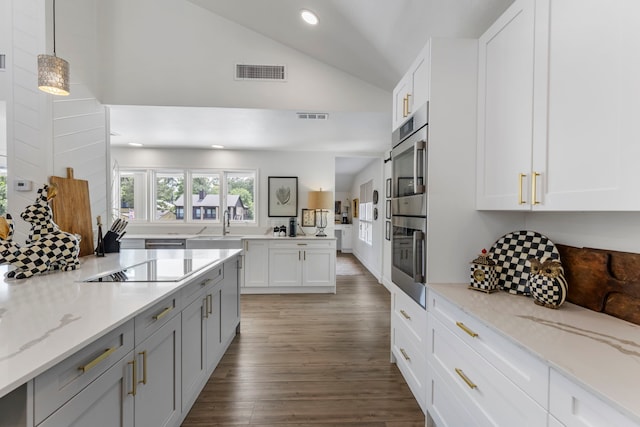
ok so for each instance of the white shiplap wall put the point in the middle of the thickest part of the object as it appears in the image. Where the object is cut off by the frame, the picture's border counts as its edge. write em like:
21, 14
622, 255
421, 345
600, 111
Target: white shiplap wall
48, 134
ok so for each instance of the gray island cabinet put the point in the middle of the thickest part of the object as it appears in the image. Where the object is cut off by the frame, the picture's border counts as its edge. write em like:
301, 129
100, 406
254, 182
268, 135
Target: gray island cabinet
143, 354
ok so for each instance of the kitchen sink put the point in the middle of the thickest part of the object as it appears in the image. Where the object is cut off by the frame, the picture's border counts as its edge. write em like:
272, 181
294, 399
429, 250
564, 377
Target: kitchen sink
214, 242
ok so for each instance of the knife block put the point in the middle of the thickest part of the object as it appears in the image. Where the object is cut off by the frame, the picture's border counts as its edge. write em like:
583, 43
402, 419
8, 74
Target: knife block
110, 243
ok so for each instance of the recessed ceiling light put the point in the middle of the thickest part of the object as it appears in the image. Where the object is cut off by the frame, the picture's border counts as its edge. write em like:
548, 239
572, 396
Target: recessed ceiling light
135, 144
217, 146
309, 17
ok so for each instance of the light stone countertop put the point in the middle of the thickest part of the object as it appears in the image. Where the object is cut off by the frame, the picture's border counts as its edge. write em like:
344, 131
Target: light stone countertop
46, 318
229, 236
597, 351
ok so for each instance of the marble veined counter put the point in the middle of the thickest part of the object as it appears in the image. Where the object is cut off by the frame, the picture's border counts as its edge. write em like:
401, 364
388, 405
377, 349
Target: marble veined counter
46, 318
598, 351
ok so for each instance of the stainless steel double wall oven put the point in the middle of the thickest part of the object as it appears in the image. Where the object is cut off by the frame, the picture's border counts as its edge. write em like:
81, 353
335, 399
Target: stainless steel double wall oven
409, 205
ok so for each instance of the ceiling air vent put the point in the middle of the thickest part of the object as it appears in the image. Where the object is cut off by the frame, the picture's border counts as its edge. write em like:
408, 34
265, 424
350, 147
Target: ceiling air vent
313, 116
261, 72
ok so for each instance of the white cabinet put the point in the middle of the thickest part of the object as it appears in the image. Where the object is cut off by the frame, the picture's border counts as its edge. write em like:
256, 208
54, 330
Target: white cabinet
132, 243
408, 342
492, 379
256, 263
290, 265
346, 234
302, 263
572, 406
230, 301
413, 90
557, 107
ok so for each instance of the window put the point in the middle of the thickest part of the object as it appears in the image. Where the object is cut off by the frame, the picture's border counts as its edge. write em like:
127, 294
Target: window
169, 191
240, 200
211, 193
366, 212
205, 196
133, 195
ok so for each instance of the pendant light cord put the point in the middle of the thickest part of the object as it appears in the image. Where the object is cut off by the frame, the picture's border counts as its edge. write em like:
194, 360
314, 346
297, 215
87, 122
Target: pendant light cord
54, 27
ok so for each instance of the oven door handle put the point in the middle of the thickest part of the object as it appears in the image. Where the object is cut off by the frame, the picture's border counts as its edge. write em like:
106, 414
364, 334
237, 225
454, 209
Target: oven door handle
419, 188
418, 240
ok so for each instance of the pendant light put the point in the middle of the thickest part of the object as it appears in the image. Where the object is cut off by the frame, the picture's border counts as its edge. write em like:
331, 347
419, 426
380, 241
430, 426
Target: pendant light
53, 72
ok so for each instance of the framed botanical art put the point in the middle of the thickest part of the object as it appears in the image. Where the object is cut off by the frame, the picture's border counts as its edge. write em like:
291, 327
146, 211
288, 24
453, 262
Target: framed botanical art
308, 218
356, 204
283, 196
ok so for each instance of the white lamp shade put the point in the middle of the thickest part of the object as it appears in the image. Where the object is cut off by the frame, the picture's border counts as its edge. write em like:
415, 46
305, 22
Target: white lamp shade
53, 75
320, 200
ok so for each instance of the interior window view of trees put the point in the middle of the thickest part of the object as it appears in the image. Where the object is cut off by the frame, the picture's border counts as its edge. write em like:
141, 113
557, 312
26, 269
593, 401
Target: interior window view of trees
205, 204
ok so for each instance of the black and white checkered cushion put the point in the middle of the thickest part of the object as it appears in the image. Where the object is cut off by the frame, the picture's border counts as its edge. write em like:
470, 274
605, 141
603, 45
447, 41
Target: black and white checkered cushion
511, 252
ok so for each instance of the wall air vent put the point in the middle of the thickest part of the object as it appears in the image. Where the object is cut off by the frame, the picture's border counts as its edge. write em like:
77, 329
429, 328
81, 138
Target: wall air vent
3, 61
261, 72
313, 116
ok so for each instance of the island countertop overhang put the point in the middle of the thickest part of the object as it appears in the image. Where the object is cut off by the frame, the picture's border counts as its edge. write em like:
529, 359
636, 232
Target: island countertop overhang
46, 318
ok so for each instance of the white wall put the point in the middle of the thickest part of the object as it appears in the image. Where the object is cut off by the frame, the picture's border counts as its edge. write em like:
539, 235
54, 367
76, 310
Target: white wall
168, 52
314, 170
47, 134
370, 255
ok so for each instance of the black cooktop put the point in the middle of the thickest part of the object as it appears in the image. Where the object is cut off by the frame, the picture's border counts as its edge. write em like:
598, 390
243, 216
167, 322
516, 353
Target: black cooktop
155, 270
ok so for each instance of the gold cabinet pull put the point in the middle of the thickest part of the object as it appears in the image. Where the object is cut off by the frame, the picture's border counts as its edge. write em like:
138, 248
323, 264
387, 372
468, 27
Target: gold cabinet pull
98, 359
405, 315
304, 255
534, 178
204, 308
204, 283
134, 379
408, 110
301, 244
404, 354
465, 378
521, 201
144, 366
162, 313
466, 329
404, 107
299, 255
209, 304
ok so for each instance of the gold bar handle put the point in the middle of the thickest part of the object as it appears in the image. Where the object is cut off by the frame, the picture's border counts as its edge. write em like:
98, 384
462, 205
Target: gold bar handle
534, 178
408, 111
162, 313
521, 201
98, 359
465, 378
144, 366
405, 315
204, 283
134, 379
209, 303
204, 307
466, 329
404, 354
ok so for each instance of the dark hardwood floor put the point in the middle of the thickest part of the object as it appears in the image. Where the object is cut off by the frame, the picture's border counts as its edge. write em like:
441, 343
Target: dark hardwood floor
315, 360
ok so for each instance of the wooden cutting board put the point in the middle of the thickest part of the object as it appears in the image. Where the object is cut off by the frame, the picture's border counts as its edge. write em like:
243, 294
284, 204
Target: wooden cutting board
72, 209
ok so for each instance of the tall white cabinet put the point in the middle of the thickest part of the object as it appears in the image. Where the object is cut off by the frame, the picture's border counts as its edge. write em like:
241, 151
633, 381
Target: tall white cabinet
557, 106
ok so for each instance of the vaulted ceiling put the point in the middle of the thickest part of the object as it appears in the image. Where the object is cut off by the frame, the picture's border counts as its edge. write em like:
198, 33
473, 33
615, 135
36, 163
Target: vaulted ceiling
373, 40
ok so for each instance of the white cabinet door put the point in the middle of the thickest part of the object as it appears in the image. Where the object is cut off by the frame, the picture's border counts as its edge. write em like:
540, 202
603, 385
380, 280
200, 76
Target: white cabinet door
285, 267
106, 402
590, 92
505, 110
213, 345
256, 263
157, 401
193, 350
412, 91
347, 235
318, 267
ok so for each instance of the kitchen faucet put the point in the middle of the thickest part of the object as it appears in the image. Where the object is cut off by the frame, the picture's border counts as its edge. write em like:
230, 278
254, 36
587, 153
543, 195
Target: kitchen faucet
226, 222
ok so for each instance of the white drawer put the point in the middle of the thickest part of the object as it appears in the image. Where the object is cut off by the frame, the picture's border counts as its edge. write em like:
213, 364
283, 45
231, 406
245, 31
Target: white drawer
409, 313
573, 406
443, 404
411, 361
59, 384
153, 318
303, 244
526, 371
490, 395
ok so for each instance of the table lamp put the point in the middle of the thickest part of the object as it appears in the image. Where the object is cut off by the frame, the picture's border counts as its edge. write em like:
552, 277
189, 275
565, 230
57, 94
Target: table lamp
320, 201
